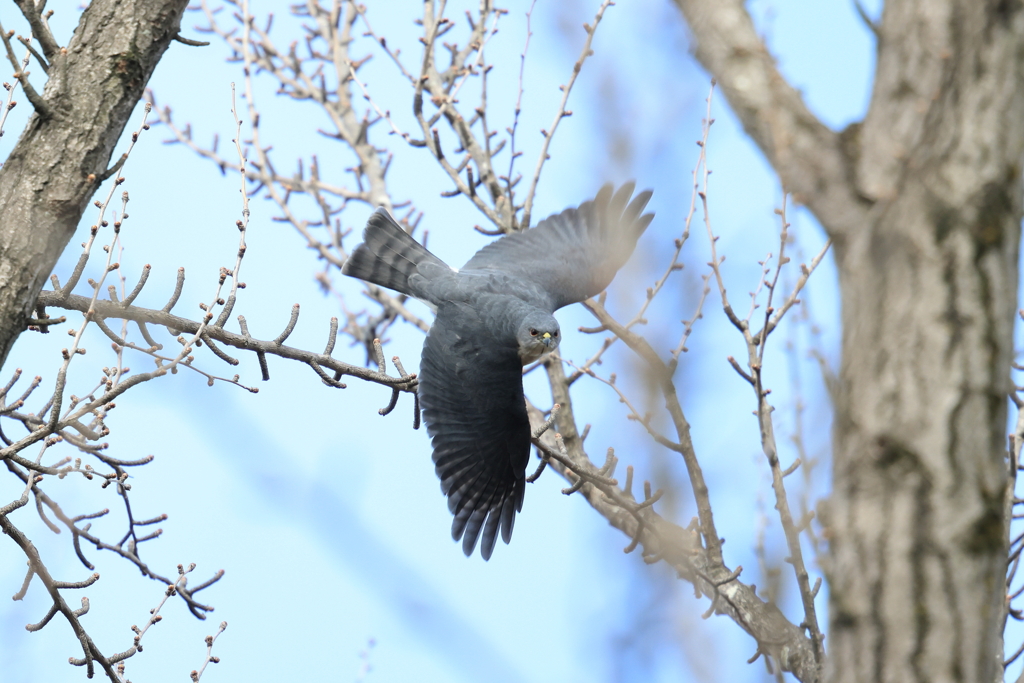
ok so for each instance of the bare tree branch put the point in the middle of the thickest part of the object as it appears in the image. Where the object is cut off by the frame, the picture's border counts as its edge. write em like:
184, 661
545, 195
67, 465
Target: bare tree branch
680, 548
51, 173
562, 112
808, 157
40, 30
102, 310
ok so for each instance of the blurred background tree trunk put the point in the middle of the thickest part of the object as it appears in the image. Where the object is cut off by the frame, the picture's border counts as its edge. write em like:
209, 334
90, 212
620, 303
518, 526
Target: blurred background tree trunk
923, 201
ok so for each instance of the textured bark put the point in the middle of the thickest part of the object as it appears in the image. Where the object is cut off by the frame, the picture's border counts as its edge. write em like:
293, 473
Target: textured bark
929, 291
924, 202
46, 182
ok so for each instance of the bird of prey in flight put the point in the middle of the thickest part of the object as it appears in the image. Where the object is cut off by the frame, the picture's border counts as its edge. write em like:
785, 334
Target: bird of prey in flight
493, 316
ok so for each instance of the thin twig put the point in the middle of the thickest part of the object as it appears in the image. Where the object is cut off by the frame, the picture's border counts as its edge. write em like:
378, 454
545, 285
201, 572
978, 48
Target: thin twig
562, 111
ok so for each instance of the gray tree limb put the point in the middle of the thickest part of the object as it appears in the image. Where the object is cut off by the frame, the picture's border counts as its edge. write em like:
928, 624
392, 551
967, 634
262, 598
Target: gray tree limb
94, 84
102, 310
810, 159
680, 548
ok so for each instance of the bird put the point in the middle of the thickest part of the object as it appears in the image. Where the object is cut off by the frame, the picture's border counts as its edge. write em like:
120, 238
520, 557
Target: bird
494, 316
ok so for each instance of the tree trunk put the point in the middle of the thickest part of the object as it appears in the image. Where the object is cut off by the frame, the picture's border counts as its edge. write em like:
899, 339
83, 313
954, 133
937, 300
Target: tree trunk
924, 202
929, 287
93, 85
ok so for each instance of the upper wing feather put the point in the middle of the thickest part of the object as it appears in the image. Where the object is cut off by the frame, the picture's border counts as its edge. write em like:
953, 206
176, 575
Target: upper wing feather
471, 391
575, 254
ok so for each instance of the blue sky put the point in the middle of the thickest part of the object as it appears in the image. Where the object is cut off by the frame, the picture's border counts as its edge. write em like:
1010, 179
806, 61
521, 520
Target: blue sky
326, 517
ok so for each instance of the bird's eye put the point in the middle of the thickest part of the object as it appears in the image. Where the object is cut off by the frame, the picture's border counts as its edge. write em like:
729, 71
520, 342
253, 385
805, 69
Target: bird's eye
533, 332
556, 334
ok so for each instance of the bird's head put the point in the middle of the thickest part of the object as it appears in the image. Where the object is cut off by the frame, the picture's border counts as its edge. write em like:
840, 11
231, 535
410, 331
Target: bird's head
539, 334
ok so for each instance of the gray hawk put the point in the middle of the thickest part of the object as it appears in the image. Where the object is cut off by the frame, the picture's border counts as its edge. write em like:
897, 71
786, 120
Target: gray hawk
493, 317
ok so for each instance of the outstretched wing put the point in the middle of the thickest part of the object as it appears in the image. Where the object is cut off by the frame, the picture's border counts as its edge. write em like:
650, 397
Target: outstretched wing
575, 254
471, 391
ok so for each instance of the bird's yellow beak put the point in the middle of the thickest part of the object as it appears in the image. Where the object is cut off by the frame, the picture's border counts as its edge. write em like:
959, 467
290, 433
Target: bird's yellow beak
547, 335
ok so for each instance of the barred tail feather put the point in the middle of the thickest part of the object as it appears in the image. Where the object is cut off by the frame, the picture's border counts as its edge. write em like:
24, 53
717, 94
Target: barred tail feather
388, 255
